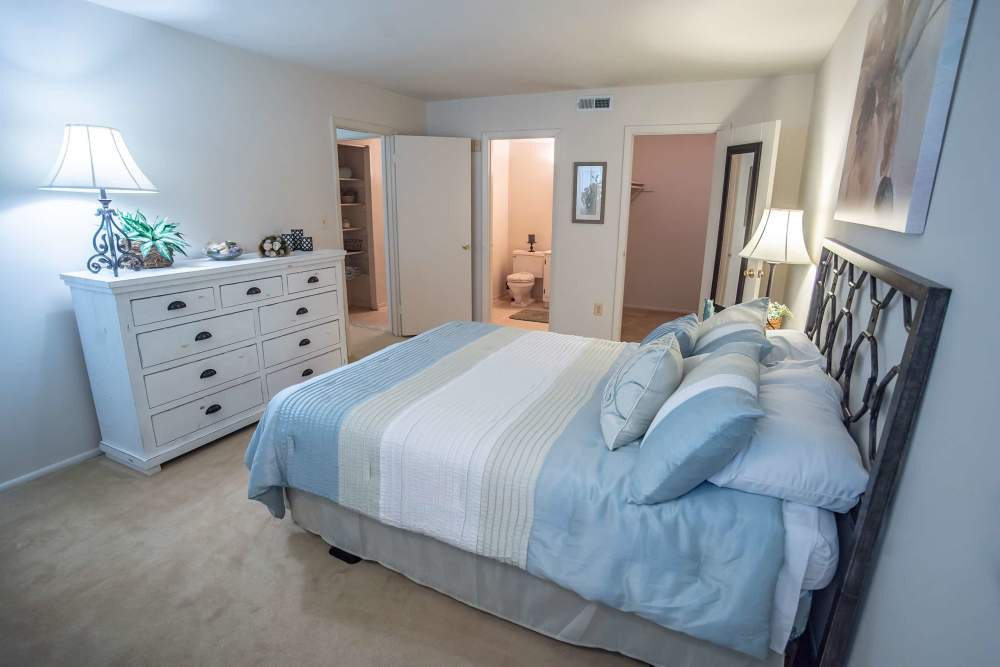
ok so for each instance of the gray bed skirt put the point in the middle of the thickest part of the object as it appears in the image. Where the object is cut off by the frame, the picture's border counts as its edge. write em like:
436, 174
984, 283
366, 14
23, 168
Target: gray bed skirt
507, 592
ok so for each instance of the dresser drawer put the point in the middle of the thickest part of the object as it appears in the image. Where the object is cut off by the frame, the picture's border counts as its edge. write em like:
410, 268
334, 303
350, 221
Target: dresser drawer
197, 376
190, 417
167, 307
251, 290
297, 311
306, 280
289, 346
162, 345
303, 371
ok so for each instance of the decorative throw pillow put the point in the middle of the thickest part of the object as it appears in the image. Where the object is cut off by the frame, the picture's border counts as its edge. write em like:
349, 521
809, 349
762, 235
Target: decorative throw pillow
800, 450
637, 390
706, 421
742, 323
684, 328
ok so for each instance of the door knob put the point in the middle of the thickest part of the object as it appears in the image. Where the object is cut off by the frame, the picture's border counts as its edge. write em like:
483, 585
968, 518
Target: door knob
465, 246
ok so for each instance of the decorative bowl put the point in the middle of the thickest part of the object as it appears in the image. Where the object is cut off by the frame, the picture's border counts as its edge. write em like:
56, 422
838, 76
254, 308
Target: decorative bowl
223, 250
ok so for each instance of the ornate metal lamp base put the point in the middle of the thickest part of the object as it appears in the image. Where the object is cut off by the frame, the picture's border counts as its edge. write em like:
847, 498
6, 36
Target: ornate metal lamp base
114, 249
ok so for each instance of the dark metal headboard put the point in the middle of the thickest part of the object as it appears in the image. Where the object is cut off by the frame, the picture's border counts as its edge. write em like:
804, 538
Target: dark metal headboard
864, 312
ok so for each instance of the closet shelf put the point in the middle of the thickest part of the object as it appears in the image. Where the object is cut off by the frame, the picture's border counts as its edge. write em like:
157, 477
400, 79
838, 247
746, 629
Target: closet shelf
352, 179
356, 252
353, 229
356, 203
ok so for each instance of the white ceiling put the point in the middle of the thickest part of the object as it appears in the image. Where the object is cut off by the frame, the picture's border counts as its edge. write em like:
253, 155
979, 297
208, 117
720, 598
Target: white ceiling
443, 49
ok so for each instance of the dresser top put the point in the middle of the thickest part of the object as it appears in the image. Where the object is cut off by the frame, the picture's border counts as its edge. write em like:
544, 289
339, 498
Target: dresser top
194, 269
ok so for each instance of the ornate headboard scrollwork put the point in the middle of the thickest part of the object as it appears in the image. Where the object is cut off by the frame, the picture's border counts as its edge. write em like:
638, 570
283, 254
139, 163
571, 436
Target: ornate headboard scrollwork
904, 314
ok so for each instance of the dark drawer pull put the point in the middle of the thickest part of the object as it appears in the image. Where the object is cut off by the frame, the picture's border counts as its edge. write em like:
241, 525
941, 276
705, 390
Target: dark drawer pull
302, 311
304, 342
313, 279
176, 305
207, 373
214, 407
307, 372
204, 335
253, 290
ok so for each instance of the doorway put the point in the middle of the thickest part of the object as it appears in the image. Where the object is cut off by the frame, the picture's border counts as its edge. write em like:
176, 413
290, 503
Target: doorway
669, 201
361, 195
520, 204
740, 184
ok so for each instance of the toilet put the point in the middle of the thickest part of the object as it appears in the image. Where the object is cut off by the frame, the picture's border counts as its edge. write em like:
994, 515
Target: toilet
528, 267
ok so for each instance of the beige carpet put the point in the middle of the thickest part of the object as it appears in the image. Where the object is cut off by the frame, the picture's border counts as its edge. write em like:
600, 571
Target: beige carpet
101, 566
637, 322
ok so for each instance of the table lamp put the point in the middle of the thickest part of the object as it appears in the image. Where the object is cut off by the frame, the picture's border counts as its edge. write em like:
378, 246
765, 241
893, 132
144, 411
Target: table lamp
95, 159
778, 239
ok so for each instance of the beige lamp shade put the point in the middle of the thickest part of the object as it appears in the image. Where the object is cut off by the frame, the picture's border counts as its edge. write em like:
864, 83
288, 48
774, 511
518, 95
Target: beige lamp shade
94, 157
778, 238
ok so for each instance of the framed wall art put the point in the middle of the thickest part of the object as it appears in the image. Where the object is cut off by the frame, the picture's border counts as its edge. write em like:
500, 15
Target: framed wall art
589, 188
908, 70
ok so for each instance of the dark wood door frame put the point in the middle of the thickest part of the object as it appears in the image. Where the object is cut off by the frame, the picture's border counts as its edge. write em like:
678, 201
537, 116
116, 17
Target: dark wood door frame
738, 149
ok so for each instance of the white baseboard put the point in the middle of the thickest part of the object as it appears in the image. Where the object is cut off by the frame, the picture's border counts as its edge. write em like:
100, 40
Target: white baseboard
41, 472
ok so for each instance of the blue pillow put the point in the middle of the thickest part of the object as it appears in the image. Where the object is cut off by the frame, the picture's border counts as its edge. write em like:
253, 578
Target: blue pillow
706, 422
741, 323
634, 394
684, 328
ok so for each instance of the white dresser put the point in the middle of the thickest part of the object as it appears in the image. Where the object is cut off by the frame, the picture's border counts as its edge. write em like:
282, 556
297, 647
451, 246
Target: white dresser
179, 357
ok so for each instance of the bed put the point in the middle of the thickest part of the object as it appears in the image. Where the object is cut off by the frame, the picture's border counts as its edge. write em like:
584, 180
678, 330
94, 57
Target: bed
467, 459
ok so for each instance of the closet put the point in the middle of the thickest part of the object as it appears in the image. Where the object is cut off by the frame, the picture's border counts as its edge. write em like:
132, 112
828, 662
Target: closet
356, 215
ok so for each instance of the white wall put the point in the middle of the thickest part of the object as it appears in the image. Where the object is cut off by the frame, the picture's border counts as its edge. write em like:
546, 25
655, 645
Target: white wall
935, 597
238, 145
584, 272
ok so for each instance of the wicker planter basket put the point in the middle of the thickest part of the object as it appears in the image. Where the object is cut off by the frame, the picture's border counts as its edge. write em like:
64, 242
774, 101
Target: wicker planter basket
775, 322
154, 260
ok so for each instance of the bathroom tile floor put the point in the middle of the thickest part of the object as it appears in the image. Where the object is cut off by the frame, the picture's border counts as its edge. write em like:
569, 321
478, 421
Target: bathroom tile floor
502, 309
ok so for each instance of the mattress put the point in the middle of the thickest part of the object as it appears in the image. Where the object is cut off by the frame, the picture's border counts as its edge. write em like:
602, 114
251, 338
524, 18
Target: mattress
487, 439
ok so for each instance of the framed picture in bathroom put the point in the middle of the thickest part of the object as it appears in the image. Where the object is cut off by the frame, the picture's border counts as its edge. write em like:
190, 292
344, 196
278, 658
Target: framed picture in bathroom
588, 192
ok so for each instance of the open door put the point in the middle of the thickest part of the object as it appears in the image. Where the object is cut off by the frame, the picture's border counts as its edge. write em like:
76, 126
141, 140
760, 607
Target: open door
429, 224
743, 182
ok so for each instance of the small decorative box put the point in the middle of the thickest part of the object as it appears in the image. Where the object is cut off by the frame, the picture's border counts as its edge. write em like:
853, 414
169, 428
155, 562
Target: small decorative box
306, 243
288, 241
297, 237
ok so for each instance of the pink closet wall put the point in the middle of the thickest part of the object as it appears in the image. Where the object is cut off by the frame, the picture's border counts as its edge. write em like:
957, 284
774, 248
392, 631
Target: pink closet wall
667, 226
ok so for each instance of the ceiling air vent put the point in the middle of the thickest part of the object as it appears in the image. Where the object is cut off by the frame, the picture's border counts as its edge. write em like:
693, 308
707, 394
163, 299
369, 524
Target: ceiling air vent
593, 103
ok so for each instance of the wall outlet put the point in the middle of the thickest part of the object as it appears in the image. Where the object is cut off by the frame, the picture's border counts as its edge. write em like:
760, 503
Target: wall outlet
598, 309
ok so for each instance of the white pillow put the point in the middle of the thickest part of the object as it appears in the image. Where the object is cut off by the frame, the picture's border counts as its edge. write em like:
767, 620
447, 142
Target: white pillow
634, 394
800, 450
811, 553
789, 345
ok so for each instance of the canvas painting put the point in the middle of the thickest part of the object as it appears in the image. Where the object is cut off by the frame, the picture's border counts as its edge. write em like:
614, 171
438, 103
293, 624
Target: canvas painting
588, 191
911, 57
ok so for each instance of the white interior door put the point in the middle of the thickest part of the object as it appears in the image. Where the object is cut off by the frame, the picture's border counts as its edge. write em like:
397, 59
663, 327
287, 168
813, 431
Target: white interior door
430, 230
767, 134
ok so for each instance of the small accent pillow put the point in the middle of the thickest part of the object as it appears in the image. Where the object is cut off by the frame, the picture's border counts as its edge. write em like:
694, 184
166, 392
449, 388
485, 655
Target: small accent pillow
742, 323
706, 421
684, 328
800, 450
637, 390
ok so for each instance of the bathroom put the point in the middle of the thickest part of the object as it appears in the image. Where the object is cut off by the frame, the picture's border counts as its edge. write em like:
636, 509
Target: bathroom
521, 199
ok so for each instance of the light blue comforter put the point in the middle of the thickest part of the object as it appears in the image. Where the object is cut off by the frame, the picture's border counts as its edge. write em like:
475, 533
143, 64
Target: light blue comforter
488, 439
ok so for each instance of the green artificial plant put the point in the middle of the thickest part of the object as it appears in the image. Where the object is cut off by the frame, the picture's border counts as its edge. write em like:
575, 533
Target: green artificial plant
162, 235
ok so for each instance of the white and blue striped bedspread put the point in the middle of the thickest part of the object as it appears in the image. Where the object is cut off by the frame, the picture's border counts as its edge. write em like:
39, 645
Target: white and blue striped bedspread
487, 438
